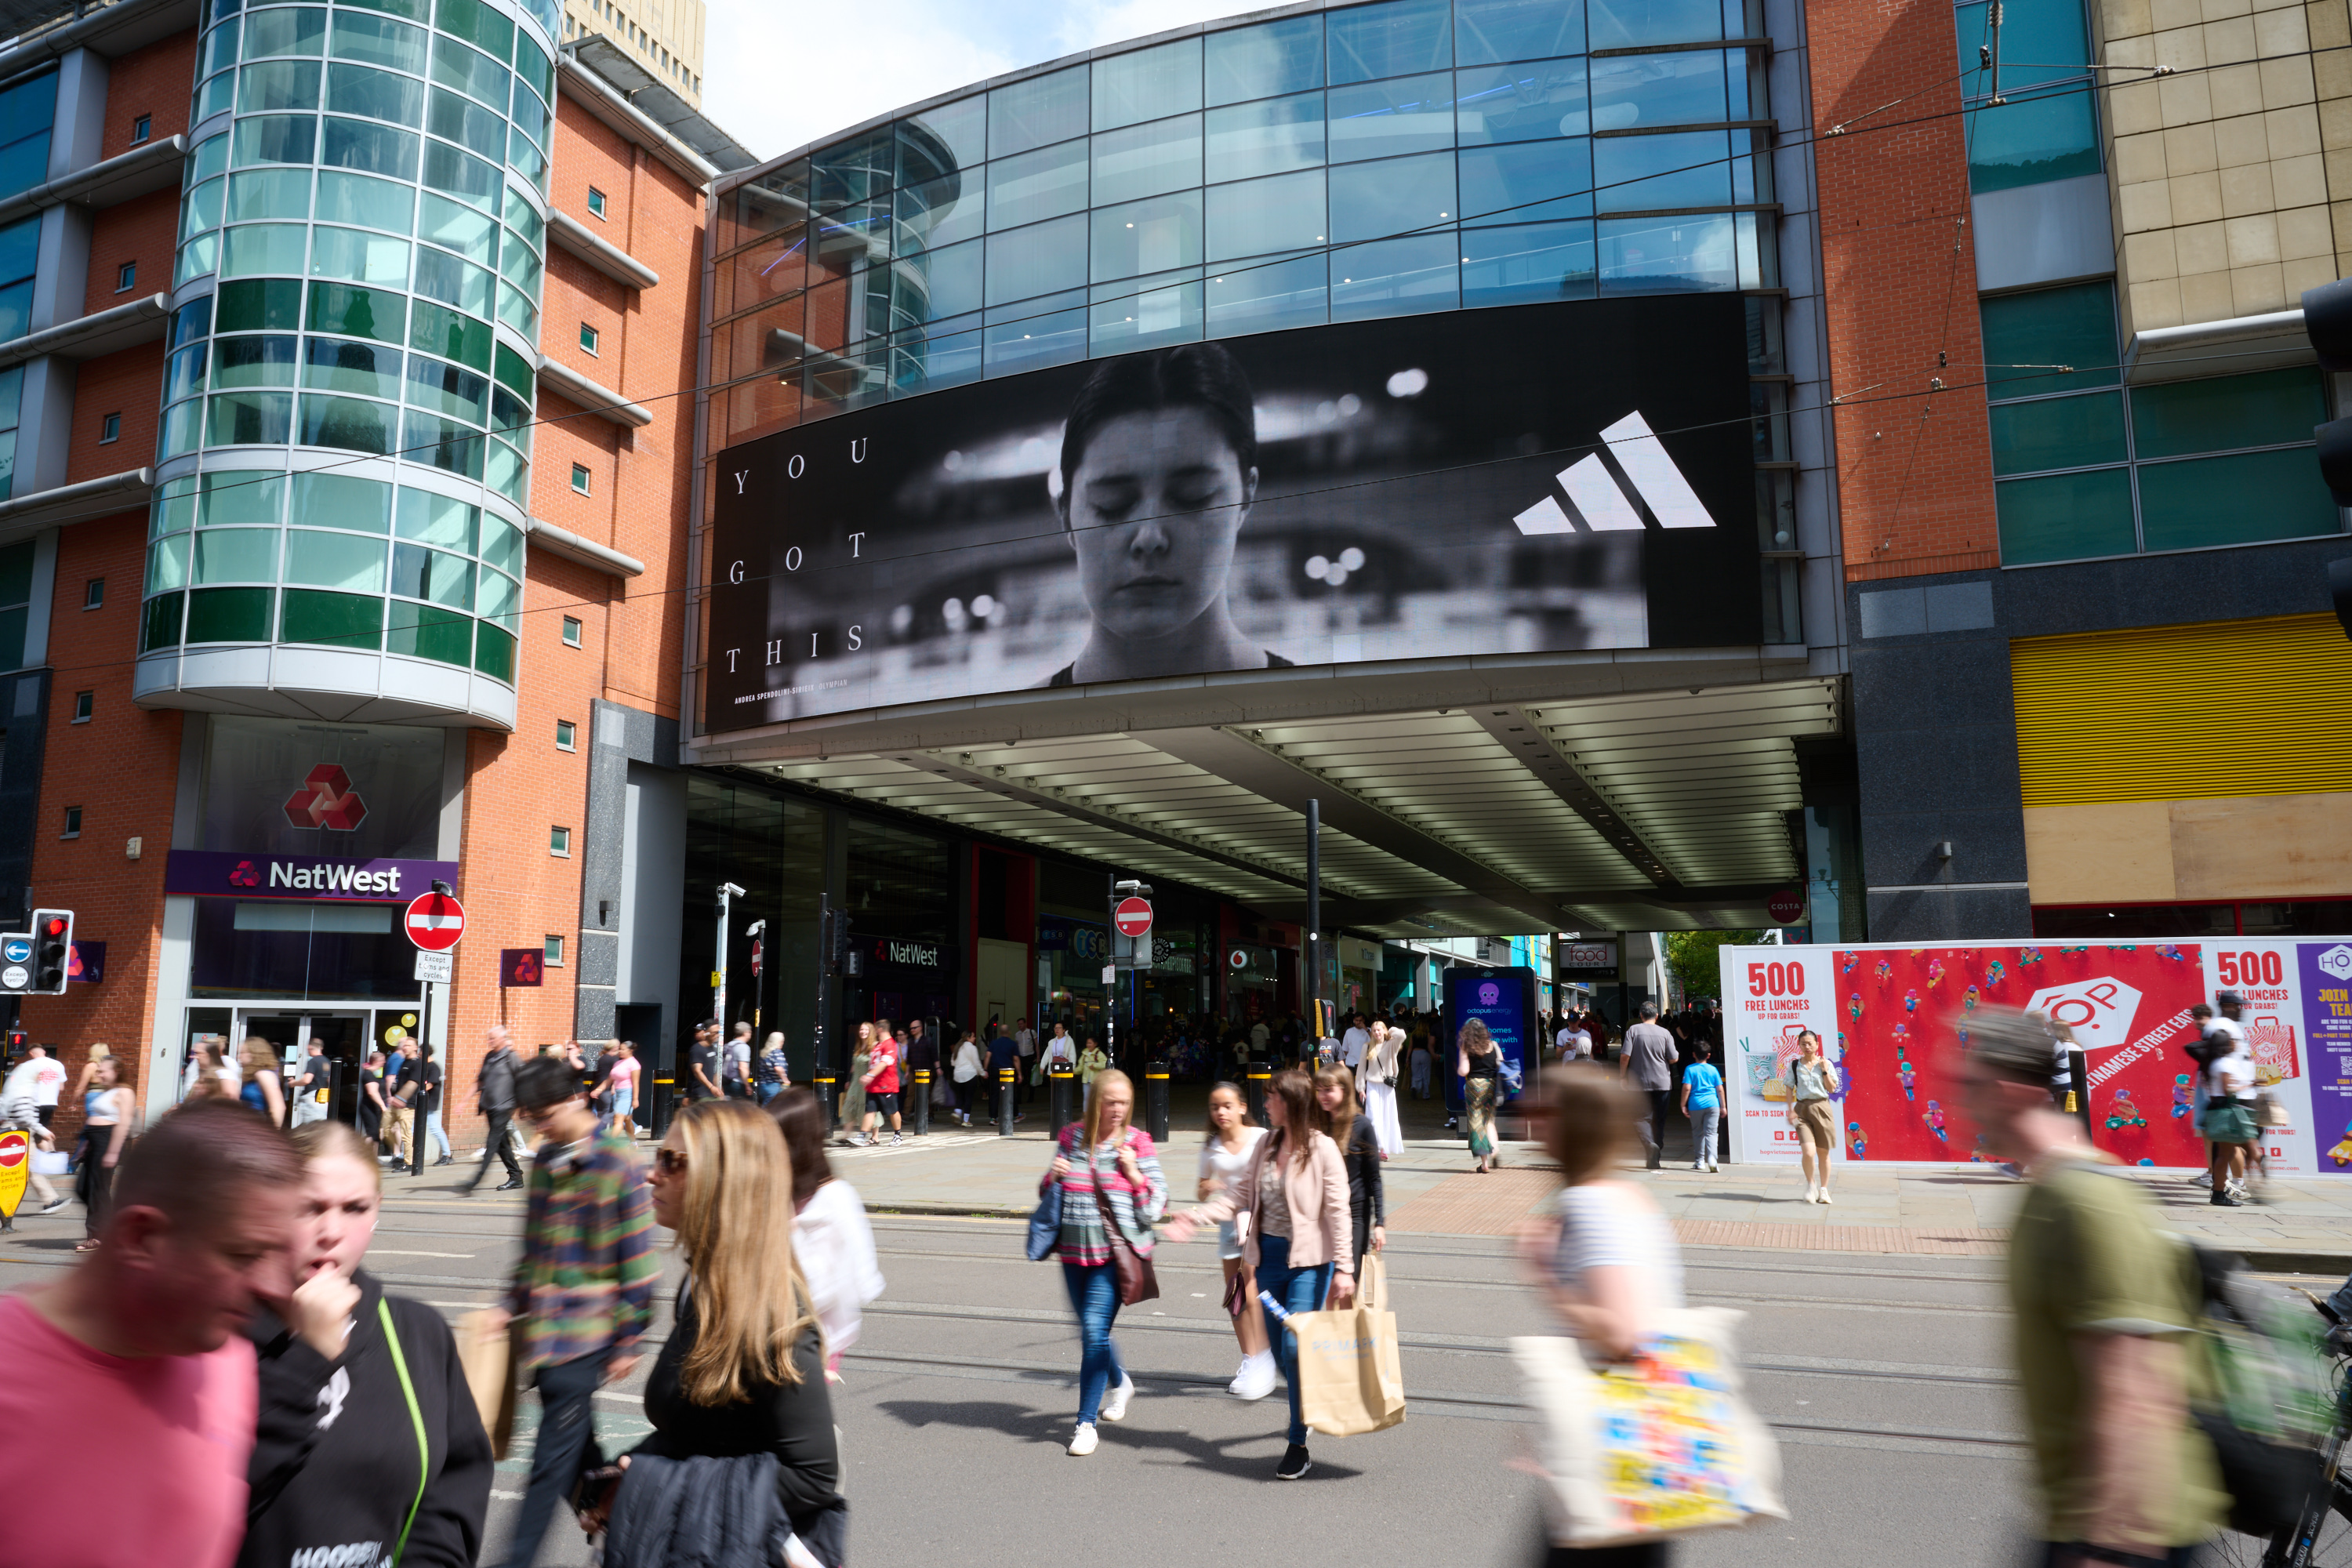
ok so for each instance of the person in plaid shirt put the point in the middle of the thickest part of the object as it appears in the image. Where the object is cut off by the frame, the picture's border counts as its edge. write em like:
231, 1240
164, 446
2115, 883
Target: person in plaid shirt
585, 1288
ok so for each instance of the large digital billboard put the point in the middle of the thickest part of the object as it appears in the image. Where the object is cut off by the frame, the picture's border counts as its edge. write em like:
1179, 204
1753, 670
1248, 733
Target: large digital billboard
1554, 478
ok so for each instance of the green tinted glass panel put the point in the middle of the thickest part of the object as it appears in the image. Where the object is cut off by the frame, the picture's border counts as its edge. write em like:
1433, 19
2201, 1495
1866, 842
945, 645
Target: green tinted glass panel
437, 519
268, 194
514, 373
439, 330
16, 573
414, 10
160, 626
429, 633
278, 85
337, 620
243, 498
2070, 326
301, 31
2240, 500
2057, 433
339, 501
502, 544
339, 364
236, 555
494, 653
357, 312
363, 199
175, 508
2066, 517
267, 305
251, 418
12, 638
244, 362
350, 423
441, 442
2265, 410
476, 23
2045, 131
532, 64
379, 43
230, 615
167, 564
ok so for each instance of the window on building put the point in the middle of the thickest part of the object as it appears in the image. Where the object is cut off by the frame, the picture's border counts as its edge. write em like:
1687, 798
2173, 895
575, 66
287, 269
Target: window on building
141, 128
2045, 126
17, 245
27, 109
566, 735
2085, 467
595, 202
571, 632
559, 841
110, 429
15, 601
73, 823
84, 702
93, 593
555, 953
580, 478
589, 338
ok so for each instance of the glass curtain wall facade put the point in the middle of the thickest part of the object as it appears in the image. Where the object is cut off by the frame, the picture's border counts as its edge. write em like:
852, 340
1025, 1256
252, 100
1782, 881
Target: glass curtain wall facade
344, 451
1374, 161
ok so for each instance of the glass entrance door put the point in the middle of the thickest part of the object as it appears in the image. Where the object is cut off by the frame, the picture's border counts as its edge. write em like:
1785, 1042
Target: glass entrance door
344, 1036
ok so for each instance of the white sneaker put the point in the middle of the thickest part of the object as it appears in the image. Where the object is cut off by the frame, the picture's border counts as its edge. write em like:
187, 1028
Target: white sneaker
1259, 1375
857, 1139
1826, 1195
1082, 1441
1813, 1194
1114, 1405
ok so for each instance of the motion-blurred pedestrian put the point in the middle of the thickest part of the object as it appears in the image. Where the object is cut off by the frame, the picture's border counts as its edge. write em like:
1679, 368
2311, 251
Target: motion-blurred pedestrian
1110, 1175
138, 1354
831, 1235
1606, 1258
879, 1081
19, 1114
494, 1094
368, 1430
107, 1109
584, 1287
1295, 1191
775, 1072
853, 1084
263, 1089
1224, 1154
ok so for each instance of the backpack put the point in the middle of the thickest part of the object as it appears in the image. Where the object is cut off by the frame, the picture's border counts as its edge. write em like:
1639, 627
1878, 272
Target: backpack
2276, 1401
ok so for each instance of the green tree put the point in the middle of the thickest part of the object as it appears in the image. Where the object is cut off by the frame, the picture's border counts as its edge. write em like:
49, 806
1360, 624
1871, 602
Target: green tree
1690, 955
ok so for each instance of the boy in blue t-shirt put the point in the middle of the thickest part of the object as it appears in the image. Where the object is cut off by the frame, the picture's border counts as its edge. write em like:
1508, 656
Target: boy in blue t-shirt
1702, 1103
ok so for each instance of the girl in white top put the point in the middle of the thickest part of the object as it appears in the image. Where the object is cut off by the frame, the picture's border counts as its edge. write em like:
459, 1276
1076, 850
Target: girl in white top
967, 1077
1225, 1155
1377, 1087
1606, 1262
832, 1239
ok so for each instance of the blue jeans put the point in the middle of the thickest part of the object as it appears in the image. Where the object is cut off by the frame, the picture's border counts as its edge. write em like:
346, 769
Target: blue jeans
1298, 1291
566, 1428
1094, 1296
440, 1138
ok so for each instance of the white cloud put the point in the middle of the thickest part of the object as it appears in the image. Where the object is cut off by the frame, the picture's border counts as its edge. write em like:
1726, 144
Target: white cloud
778, 76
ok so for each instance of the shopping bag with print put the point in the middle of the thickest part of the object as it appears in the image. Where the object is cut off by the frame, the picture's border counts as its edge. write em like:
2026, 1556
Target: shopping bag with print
1662, 1445
485, 1353
1351, 1378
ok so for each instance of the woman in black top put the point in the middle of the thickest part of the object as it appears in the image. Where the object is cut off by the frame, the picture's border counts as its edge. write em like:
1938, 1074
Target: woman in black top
1360, 1147
754, 1383
1479, 1063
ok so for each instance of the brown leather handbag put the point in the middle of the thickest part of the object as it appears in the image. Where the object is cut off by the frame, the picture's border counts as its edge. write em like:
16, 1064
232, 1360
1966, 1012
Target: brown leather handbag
1137, 1281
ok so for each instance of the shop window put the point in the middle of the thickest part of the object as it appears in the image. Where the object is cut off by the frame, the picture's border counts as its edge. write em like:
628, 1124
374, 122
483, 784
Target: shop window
2045, 126
2088, 468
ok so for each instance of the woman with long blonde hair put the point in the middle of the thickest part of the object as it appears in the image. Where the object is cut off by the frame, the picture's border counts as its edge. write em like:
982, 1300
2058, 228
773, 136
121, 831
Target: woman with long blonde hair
853, 1082
263, 1090
743, 1369
1110, 1175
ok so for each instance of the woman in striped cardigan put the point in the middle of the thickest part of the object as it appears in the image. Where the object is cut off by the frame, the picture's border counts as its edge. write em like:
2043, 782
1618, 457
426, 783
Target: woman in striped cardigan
1103, 1153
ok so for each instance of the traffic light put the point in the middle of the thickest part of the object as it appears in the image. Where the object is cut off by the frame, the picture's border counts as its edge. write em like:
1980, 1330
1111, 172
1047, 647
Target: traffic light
2327, 321
52, 946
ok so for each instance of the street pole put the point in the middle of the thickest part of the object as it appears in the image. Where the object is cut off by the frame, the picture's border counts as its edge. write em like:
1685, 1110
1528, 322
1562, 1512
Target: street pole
417, 1111
1315, 925
726, 892
759, 951
827, 957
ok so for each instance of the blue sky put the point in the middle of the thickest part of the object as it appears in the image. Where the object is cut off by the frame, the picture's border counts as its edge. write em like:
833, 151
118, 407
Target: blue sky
779, 73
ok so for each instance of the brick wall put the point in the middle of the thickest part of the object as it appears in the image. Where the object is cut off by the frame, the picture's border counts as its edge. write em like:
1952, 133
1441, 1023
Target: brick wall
155, 81
140, 230
1914, 465
121, 768
128, 383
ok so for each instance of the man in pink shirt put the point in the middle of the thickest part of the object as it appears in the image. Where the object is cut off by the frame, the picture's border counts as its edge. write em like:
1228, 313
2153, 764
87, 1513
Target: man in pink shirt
139, 1354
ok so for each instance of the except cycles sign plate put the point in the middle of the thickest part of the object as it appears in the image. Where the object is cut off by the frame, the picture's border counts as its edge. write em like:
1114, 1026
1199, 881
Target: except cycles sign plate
1133, 917
436, 921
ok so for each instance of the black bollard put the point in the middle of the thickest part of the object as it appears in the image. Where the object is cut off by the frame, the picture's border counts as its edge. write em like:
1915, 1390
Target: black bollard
828, 1095
1005, 1079
919, 1113
1155, 1103
1255, 1082
1061, 1096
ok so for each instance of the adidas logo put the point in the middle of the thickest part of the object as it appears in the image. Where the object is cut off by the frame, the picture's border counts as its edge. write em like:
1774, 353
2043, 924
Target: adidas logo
1609, 502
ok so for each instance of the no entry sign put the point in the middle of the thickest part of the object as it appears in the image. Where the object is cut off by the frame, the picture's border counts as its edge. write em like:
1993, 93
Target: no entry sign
1133, 917
436, 921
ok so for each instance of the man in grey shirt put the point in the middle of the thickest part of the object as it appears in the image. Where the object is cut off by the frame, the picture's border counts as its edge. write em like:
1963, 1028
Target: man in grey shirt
1648, 1062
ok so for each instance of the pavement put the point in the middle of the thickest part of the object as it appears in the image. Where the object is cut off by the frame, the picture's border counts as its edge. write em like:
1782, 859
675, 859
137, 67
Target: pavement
2301, 1225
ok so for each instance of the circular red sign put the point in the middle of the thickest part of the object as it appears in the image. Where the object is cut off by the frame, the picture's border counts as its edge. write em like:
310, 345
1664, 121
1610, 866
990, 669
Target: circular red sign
13, 1146
436, 921
1133, 917
1786, 907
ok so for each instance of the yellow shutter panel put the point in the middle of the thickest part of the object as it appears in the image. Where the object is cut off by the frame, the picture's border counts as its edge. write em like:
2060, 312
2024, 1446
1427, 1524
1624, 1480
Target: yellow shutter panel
2200, 713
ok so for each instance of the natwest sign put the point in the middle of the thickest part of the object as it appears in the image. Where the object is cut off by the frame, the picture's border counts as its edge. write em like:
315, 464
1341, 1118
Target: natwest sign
225, 874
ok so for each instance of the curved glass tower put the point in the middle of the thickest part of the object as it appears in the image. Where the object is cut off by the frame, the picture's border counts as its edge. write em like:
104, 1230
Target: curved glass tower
344, 467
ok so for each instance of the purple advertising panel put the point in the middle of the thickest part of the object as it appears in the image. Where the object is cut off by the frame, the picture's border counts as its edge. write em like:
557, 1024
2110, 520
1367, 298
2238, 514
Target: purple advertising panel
225, 874
1505, 1001
2327, 969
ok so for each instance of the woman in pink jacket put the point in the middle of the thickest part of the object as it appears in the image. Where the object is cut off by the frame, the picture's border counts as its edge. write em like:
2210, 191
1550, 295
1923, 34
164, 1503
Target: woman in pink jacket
1297, 1245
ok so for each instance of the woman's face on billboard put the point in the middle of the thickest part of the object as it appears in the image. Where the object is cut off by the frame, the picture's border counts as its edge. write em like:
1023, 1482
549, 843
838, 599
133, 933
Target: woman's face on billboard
1153, 508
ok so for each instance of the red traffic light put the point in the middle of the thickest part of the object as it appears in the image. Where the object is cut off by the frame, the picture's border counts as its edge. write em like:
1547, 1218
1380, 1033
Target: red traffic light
55, 926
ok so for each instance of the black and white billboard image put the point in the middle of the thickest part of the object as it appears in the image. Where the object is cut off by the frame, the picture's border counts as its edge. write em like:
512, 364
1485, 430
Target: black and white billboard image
1548, 479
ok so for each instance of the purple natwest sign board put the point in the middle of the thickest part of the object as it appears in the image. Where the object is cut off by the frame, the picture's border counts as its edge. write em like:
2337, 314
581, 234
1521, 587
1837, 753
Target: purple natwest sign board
224, 874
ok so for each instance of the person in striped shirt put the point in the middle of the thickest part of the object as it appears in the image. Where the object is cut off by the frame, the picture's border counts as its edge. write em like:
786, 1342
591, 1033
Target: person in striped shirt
1103, 1153
584, 1286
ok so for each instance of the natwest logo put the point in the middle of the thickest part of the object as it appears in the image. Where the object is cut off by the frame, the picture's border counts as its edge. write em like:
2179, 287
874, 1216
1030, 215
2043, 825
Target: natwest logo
326, 800
345, 878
